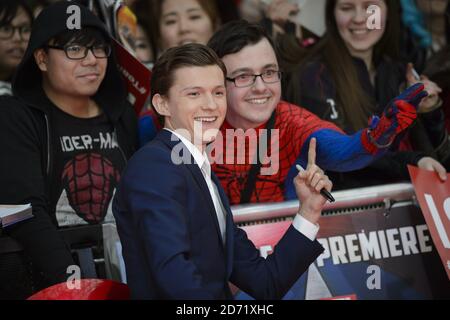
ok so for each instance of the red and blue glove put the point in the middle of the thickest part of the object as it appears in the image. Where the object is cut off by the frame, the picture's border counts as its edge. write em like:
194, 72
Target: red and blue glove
398, 115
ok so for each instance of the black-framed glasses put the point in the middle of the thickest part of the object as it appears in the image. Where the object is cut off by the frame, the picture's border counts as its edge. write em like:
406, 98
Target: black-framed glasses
78, 52
8, 31
247, 80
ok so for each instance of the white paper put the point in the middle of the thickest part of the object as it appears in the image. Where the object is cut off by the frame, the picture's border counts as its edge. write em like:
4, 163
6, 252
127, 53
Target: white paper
7, 210
311, 15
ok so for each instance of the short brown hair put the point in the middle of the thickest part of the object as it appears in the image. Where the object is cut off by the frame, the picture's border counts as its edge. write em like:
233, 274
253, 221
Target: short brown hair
188, 55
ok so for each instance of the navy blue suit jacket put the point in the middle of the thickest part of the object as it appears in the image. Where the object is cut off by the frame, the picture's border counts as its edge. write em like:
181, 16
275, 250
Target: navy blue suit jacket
171, 241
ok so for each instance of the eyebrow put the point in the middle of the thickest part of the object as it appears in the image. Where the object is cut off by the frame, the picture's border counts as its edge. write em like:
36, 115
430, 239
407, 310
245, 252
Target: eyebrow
191, 88
174, 13
202, 88
194, 10
169, 14
240, 70
24, 24
347, 2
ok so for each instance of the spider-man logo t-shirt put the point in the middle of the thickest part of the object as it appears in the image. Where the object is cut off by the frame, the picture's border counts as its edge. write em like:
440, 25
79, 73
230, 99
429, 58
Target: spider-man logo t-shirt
87, 167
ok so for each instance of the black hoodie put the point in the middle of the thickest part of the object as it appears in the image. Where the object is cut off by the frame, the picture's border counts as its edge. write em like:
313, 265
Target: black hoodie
28, 150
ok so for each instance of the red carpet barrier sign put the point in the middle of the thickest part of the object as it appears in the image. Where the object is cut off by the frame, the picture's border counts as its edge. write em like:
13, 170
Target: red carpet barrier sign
369, 254
136, 76
434, 199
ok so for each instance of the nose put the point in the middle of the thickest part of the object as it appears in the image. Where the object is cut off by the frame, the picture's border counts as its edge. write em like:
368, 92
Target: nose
183, 25
16, 35
360, 15
209, 103
90, 59
259, 85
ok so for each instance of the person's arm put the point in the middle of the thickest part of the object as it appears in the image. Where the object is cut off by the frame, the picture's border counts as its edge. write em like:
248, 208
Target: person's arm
340, 152
271, 278
434, 123
430, 109
393, 166
22, 182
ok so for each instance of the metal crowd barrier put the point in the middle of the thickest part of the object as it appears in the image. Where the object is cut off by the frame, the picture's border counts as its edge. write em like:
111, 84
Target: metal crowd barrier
347, 201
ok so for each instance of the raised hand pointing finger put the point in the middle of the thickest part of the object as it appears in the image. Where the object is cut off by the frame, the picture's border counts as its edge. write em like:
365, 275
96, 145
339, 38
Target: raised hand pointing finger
312, 152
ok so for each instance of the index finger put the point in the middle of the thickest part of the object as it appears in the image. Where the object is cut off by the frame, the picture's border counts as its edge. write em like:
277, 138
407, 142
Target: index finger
312, 152
410, 75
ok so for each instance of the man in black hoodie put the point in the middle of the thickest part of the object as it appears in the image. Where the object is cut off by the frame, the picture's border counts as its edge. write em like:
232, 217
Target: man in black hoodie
66, 134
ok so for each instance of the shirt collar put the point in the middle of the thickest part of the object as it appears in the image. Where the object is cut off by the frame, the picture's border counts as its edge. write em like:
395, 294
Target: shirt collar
199, 158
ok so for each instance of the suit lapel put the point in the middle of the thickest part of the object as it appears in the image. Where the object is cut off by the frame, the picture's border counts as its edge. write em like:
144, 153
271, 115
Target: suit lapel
198, 176
166, 137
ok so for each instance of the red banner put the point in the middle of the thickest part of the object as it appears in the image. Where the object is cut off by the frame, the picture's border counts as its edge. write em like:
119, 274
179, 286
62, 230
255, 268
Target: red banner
433, 196
136, 76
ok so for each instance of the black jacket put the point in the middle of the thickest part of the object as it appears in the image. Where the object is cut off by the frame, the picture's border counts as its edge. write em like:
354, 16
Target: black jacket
27, 148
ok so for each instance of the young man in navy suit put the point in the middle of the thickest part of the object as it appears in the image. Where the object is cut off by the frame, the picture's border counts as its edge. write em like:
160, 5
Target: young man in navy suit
175, 224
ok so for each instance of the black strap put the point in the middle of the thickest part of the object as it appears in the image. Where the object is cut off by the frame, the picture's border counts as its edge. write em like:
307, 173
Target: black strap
247, 192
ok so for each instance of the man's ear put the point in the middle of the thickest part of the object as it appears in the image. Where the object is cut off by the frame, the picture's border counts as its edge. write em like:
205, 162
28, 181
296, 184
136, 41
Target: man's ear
41, 58
161, 105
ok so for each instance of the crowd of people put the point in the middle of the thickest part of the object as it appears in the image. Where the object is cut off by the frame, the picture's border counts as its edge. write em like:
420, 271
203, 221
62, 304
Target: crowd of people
371, 100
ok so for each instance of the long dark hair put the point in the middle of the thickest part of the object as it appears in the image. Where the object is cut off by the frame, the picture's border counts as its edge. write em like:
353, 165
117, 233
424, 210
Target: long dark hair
145, 13
333, 52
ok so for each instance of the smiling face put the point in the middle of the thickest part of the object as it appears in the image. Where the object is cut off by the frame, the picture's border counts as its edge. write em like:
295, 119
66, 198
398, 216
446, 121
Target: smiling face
13, 49
252, 106
196, 98
351, 20
72, 78
184, 21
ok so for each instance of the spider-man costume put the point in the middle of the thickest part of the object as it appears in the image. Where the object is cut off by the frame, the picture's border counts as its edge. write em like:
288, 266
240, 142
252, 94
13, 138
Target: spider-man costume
336, 151
296, 127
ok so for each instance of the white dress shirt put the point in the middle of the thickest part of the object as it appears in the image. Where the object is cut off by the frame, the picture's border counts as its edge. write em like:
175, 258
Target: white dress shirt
205, 167
301, 224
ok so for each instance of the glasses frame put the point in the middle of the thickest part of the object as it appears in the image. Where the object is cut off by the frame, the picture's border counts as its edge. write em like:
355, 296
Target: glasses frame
280, 74
19, 29
88, 48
